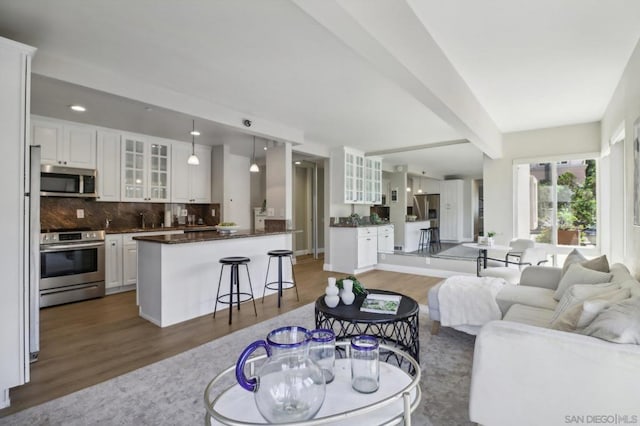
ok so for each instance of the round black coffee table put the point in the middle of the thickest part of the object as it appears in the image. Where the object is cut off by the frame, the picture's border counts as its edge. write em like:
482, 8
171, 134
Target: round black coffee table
400, 330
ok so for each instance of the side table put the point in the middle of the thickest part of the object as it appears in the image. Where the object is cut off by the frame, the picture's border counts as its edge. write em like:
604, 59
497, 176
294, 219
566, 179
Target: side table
399, 330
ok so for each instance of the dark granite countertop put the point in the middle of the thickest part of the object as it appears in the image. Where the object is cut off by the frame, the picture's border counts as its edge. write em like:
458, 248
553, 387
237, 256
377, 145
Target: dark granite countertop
185, 228
361, 225
197, 237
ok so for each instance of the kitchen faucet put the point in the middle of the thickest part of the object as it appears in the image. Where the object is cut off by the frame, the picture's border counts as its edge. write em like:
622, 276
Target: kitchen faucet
142, 224
107, 222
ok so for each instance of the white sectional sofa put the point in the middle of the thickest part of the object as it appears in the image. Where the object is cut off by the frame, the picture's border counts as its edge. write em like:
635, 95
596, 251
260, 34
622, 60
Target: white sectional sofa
527, 373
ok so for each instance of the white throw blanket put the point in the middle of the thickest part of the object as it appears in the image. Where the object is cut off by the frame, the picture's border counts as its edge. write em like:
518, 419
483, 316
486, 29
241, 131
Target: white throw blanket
466, 300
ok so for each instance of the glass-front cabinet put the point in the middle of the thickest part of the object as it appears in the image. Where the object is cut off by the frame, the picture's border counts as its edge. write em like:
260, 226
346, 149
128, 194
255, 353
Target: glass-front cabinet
145, 171
362, 178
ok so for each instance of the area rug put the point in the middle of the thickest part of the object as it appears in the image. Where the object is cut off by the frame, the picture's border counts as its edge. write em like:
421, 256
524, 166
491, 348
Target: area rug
459, 252
170, 392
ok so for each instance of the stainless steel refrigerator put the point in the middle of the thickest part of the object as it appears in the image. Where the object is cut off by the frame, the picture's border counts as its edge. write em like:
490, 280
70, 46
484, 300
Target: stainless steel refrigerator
427, 207
32, 207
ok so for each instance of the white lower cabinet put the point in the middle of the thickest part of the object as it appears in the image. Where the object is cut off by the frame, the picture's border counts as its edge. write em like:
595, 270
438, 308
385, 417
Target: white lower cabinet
121, 260
113, 262
367, 247
353, 250
385, 239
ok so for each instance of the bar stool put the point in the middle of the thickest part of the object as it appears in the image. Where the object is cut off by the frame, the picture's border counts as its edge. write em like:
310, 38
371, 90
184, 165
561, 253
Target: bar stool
425, 238
435, 239
280, 284
234, 280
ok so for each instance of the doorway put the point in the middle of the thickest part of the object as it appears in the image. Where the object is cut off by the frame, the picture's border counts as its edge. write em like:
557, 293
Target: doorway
308, 205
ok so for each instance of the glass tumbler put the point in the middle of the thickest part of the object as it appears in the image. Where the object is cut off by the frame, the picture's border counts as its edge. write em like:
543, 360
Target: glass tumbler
322, 350
365, 365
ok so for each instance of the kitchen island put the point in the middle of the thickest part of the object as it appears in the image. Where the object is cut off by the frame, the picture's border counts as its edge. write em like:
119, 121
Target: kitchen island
178, 274
412, 234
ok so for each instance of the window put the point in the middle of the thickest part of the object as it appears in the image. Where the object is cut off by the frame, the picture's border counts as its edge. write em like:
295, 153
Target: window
557, 202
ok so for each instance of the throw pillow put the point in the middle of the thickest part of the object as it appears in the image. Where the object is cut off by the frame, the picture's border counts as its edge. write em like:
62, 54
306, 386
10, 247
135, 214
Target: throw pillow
597, 264
594, 305
568, 320
578, 293
574, 257
619, 323
578, 274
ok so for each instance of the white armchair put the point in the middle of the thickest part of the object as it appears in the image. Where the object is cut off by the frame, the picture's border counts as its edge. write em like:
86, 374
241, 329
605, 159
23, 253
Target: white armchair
512, 270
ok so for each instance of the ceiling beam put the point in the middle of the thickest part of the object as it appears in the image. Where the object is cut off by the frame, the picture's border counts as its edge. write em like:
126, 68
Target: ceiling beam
390, 36
417, 147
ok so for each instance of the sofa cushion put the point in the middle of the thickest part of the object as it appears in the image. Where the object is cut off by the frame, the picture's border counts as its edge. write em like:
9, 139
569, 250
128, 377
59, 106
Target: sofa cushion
568, 319
578, 293
578, 274
510, 275
597, 263
525, 295
620, 273
593, 306
619, 323
531, 315
573, 257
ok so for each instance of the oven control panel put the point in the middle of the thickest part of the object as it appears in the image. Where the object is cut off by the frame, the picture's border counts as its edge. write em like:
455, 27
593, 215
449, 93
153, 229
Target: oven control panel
70, 236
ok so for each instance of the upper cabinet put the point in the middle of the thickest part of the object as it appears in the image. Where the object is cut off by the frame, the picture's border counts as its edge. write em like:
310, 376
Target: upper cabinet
65, 144
362, 177
190, 184
145, 169
373, 180
108, 165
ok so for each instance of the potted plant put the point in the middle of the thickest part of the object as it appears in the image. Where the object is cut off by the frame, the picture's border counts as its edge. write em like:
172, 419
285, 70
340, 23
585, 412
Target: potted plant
490, 240
358, 288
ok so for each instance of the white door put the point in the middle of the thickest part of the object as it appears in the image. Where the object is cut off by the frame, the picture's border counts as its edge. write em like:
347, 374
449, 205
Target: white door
49, 136
108, 166
113, 261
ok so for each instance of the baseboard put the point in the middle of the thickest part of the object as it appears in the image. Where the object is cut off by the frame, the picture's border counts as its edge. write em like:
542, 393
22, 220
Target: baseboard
5, 401
327, 267
441, 273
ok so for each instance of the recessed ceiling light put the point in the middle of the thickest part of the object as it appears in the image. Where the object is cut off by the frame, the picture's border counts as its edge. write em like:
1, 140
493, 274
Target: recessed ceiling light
78, 108
194, 133
298, 162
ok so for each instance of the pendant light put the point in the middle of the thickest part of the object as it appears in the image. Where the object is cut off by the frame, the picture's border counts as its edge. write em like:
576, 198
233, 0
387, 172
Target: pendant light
254, 166
193, 158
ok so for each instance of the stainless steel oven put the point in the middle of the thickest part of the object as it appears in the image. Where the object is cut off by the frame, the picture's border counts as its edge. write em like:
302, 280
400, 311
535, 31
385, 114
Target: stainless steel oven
71, 266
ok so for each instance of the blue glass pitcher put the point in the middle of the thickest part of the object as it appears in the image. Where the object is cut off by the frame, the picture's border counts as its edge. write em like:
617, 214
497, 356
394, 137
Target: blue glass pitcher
289, 386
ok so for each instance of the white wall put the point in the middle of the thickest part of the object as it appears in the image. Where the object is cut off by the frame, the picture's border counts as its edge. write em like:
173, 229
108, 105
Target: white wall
236, 206
624, 107
552, 142
279, 181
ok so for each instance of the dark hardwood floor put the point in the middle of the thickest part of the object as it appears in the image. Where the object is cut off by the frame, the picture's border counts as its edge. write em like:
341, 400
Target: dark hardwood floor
86, 343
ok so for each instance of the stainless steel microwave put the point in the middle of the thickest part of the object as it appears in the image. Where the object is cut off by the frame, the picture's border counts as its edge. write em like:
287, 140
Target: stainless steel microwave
57, 181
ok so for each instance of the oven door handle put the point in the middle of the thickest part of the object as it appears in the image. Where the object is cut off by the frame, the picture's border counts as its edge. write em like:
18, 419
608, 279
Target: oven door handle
69, 247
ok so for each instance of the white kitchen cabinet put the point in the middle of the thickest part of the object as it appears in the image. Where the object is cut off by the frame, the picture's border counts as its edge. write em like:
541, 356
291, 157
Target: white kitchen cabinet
113, 262
121, 260
361, 177
451, 210
353, 250
372, 180
385, 239
145, 169
64, 144
129, 262
367, 247
108, 165
190, 184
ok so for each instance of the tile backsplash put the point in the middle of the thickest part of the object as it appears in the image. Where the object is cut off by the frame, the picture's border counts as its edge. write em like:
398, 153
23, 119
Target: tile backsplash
61, 213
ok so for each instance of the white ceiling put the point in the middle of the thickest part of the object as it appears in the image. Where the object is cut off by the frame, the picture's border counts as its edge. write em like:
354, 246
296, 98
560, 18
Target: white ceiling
536, 63
531, 64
